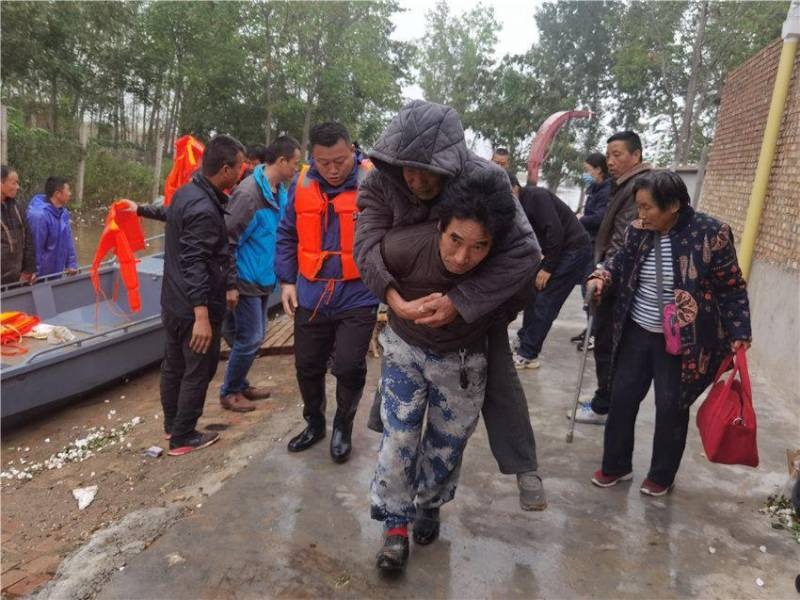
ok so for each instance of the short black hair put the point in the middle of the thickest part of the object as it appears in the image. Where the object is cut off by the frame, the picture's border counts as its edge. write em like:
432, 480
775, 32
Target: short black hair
328, 133
632, 141
220, 151
5, 171
495, 212
54, 184
283, 146
257, 152
500, 152
666, 188
598, 161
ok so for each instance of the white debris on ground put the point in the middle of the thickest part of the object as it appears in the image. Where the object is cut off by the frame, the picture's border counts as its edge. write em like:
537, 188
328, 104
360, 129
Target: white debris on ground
84, 496
76, 451
759, 582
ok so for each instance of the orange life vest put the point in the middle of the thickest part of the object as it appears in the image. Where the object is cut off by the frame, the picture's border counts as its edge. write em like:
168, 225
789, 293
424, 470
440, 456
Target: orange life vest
311, 206
13, 325
188, 154
123, 234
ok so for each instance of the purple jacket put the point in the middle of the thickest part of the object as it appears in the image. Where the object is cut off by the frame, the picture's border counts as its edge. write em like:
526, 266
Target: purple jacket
52, 237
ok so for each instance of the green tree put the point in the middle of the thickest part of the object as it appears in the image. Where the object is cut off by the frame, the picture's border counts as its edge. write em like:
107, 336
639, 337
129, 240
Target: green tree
456, 59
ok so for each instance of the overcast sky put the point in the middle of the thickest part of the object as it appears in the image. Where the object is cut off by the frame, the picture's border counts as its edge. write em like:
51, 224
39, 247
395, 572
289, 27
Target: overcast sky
516, 18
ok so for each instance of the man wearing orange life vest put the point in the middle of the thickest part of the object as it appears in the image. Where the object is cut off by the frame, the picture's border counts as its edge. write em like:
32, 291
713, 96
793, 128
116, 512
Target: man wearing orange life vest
321, 286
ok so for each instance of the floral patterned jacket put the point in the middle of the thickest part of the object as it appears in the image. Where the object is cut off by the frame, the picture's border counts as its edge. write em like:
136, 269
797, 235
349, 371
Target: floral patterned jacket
710, 293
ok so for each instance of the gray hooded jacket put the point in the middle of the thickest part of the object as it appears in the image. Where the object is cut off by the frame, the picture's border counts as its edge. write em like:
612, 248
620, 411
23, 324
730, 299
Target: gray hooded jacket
430, 136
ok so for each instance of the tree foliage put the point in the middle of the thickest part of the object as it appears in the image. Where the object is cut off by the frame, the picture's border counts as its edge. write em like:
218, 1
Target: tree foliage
146, 72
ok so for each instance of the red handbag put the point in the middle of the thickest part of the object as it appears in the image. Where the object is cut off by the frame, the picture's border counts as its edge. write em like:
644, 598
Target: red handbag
727, 420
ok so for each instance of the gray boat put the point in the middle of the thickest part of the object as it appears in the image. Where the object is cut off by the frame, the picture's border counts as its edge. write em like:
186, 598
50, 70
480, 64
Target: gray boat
111, 342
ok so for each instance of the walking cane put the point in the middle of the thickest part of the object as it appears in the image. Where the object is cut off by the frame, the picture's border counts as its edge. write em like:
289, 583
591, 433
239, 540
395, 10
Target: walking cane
589, 303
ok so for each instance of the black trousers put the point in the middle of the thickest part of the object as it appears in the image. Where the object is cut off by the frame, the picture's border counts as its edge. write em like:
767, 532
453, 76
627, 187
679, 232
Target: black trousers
505, 408
349, 332
642, 360
185, 376
603, 346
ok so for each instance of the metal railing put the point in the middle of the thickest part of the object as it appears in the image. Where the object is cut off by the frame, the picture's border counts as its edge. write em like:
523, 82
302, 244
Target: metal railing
64, 274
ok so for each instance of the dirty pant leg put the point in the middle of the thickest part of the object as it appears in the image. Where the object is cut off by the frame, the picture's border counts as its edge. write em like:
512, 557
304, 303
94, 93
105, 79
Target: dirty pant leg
632, 379
353, 334
505, 409
453, 412
545, 306
249, 320
313, 342
184, 409
672, 420
603, 346
404, 399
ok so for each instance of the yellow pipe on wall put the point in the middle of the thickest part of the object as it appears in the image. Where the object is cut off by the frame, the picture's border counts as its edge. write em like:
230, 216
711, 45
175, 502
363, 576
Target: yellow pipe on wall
758, 193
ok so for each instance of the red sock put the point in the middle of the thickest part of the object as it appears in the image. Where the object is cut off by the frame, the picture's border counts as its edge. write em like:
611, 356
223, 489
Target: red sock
403, 530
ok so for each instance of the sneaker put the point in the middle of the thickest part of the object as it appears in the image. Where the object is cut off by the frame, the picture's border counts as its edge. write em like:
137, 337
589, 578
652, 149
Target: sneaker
591, 344
585, 414
577, 339
602, 480
651, 488
193, 441
393, 555
531, 491
426, 526
520, 362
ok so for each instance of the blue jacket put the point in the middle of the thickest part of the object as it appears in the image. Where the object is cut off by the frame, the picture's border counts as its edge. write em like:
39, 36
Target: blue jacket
52, 236
252, 223
346, 294
595, 208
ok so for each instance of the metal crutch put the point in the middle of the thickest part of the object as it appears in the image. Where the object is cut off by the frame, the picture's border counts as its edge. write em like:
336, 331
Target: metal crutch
589, 303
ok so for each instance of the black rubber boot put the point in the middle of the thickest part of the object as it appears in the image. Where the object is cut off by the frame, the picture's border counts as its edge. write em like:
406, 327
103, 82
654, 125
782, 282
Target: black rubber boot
426, 526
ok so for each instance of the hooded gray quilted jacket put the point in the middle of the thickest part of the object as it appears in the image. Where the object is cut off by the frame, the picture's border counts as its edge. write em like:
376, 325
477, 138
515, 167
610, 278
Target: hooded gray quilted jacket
430, 136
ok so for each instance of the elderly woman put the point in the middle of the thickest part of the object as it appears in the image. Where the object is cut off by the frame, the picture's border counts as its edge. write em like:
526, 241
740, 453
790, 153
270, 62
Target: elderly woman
701, 278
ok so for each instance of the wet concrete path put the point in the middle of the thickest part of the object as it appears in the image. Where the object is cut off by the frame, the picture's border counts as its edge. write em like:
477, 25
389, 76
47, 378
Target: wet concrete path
298, 525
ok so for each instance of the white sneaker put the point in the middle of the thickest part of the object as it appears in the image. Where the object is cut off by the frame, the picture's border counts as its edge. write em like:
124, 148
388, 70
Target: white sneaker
520, 362
585, 414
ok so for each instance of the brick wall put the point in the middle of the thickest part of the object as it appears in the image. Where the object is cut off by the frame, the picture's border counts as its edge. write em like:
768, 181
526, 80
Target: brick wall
734, 154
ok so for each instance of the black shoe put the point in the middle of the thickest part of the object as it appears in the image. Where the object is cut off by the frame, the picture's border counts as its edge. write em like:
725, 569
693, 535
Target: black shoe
340, 443
307, 438
191, 442
591, 344
577, 339
394, 553
426, 526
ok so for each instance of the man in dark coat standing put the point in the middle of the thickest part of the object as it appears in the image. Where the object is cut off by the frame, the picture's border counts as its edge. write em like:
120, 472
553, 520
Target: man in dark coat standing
624, 158
198, 283
420, 159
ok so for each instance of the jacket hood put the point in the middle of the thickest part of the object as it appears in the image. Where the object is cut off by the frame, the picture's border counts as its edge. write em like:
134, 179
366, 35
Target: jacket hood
424, 135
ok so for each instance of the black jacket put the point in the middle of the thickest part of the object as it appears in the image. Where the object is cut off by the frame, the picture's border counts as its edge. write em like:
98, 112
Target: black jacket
556, 226
595, 208
197, 260
430, 136
17, 252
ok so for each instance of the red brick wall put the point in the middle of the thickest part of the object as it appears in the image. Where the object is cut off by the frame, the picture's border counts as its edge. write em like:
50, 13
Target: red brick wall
734, 154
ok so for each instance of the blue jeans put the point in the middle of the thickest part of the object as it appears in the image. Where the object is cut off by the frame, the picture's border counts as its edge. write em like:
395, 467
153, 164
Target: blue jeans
246, 327
538, 316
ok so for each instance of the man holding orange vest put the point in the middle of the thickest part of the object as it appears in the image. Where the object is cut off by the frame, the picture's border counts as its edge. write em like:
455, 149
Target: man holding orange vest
322, 288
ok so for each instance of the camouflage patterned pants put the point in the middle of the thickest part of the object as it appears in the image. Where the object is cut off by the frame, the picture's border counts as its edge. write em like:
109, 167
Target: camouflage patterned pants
416, 470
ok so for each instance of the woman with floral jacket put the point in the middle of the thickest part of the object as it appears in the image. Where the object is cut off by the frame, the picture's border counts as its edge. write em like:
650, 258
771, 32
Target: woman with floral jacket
701, 276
